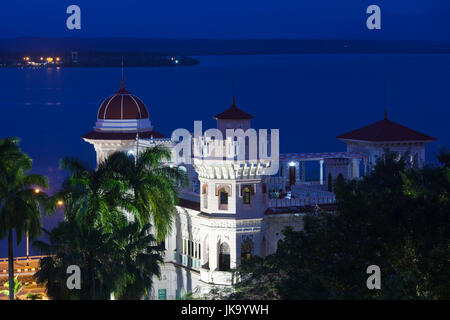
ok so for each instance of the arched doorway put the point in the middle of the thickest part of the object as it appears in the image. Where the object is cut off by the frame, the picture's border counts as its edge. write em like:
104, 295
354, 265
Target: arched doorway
224, 257
292, 174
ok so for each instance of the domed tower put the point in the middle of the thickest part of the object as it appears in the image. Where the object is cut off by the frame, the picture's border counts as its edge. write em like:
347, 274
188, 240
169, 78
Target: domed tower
122, 120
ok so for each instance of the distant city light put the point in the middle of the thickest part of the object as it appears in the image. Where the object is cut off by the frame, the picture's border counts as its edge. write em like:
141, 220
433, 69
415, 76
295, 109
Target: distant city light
26, 58
50, 59
57, 59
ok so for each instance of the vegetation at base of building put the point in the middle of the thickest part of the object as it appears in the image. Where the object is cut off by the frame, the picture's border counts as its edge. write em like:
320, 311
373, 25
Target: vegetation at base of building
34, 296
106, 231
116, 255
18, 287
397, 218
122, 261
20, 204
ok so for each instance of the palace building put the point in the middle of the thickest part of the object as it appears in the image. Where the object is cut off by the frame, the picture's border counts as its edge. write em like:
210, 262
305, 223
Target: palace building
233, 209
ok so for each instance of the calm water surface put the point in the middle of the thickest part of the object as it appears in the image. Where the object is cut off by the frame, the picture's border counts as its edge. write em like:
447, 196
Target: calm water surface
310, 98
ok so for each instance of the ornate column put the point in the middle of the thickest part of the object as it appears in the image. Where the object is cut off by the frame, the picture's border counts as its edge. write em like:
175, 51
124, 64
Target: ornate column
213, 254
355, 167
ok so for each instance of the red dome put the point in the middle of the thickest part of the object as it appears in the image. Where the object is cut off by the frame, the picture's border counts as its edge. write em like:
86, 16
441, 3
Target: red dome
121, 106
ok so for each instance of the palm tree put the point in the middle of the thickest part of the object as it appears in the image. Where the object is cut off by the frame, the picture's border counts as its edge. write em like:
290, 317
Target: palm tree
140, 258
91, 197
18, 287
123, 262
153, 183
20, 199
72, 243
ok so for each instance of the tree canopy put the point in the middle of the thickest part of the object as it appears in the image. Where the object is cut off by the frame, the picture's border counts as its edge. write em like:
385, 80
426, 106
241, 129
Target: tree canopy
397, 218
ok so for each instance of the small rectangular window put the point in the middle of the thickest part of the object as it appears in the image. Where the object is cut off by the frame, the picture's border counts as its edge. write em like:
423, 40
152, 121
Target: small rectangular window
162, 294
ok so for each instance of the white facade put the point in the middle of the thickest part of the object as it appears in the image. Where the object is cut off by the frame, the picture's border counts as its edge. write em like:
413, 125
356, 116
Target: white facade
229, 212
375, 150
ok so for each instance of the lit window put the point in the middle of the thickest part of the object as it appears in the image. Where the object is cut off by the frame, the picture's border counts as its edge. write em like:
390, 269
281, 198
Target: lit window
246, 195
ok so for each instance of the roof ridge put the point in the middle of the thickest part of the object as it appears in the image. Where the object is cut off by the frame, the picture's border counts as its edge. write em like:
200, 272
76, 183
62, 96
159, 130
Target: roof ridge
233, 113
385, 130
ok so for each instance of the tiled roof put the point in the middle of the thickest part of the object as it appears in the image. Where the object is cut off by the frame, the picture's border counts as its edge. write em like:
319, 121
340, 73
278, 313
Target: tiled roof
385, 130
122, 106
233, 113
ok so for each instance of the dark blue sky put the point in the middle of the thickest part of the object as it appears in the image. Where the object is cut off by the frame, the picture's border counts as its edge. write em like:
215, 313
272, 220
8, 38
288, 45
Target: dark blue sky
401, 19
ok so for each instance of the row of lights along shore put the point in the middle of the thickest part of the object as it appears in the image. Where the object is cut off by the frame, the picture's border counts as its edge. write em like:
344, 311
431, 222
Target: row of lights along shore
43, 60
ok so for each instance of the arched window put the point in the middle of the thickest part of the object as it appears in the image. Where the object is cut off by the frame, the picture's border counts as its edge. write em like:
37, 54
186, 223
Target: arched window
246, 249
246, 195
224, 257
223, 199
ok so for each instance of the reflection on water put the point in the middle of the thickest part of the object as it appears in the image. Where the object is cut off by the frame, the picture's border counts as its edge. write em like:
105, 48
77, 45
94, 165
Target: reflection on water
310, 98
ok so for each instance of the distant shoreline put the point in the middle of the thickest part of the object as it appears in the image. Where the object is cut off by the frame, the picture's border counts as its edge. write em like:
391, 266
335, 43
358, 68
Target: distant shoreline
91, 59
204, 47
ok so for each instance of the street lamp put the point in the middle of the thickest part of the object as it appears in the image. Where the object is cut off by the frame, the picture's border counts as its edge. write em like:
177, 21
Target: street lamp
28, 253
36, 191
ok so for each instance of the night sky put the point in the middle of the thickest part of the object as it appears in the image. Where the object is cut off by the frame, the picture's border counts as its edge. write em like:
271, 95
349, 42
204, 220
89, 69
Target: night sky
401, 19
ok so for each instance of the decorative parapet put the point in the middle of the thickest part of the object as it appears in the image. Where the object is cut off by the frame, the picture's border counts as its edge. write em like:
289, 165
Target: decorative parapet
216, 277
213, 169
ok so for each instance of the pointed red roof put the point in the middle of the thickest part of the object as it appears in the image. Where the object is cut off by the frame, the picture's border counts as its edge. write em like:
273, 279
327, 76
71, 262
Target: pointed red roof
385, 130
233, 113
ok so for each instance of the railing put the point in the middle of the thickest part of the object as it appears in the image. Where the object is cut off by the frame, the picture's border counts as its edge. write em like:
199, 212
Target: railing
301, 202
17, 259
306, 191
